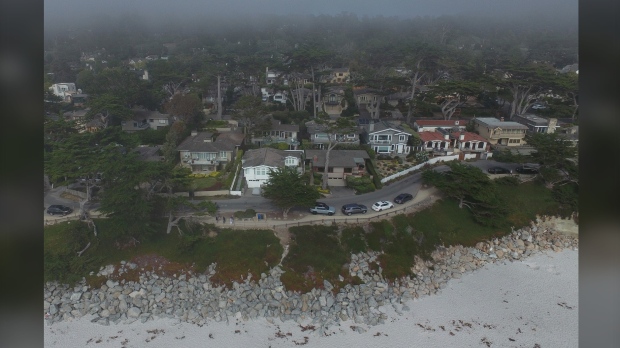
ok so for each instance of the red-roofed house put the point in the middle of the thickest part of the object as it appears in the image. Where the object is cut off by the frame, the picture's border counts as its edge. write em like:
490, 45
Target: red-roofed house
469, 142
433, 141
432, 125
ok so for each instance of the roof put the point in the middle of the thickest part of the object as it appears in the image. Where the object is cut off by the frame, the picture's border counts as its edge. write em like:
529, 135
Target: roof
469, 136
76, 113
277, 125
338, 158
149, 153
440, 123
381, 126
224, 142
493, 122
142, 114
267, 156
529, 118
431, 136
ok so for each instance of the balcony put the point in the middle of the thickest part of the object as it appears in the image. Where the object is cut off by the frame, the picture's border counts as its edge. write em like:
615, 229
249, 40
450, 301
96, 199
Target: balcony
290, 141
214, 161
380, 142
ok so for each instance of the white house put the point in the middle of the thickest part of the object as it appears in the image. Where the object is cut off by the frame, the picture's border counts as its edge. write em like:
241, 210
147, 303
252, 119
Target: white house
433, 125
63, 90
258, 163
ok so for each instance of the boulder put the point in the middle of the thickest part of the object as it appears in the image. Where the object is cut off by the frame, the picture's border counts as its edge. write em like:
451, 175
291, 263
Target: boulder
133, 312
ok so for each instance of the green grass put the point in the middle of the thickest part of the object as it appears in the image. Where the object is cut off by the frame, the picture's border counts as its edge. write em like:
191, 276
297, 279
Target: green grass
237, 252
352, 240
314, 255
528, 199
202, 183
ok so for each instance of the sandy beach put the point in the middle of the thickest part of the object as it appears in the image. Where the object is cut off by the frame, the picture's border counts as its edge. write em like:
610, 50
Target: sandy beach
528, 303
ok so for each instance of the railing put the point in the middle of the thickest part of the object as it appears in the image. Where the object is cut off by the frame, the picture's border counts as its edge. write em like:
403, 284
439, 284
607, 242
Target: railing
416, 167
374, 142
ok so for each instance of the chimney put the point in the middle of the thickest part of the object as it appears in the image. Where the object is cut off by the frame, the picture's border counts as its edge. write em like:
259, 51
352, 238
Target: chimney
371, 126
461, 137
501, 119
194, 133
446, 136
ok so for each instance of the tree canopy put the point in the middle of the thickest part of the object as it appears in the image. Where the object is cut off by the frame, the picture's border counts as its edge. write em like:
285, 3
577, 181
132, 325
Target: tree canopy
287, 189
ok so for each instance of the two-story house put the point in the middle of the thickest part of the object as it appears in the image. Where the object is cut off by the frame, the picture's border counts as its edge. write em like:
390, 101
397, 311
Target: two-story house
333, 101
258, 163
206, 151
63, 90
469, 142
319, 138
278, 133
271, 76
339, 75
342, 163
385, 138
368, 101
145, 118
433, 125
500, 132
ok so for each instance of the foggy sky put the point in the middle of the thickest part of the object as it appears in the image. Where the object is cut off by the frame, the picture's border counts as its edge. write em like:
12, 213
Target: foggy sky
61, 10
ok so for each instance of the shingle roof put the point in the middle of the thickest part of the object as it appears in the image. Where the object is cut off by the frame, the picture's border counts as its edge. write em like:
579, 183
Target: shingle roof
276, 125
224, 142
149, 153
267, 156
493, 122
142, 113
338, 158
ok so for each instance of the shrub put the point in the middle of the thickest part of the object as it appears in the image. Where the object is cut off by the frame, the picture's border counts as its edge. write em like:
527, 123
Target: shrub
508, 181
247, 214
215, 174
360, 184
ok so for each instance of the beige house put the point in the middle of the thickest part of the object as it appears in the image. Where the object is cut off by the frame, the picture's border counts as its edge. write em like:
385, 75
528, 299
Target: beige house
340, 75
207, 152
500, 132
333, 101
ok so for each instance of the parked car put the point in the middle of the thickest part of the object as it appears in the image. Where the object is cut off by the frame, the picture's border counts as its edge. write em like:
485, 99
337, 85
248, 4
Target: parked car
382, 205
59, 210
538, 107
320, 209
402, 198
321, 204
353, 208
499, 170
526, 170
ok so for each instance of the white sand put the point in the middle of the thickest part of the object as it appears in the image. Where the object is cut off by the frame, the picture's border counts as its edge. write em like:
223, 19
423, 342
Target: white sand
518, 304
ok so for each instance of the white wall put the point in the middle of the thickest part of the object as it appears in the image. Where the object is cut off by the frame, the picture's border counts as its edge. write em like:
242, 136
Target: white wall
416, 167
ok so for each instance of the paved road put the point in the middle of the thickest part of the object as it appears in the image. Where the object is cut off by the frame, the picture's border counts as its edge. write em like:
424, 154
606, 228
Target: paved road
339, 197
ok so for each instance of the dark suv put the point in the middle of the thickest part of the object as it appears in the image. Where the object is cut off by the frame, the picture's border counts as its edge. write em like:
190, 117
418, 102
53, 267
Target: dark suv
349, 209
526, 170
59, 210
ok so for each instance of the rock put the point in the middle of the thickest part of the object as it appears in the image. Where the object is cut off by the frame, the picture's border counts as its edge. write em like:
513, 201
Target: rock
76, 296
327, 285
133, 312
499, 253
456, 275
105, 313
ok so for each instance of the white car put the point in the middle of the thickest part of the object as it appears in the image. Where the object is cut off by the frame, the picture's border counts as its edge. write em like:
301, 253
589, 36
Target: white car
382, 205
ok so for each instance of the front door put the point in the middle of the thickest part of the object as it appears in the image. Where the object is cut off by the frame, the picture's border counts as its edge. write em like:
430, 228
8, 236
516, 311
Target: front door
399, 148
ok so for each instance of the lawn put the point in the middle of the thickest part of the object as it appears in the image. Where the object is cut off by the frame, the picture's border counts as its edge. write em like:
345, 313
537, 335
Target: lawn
237, 253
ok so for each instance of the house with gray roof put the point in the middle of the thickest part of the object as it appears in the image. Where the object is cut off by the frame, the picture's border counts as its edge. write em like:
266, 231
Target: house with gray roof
386, 138
258, 163
278, 133
537, 124
207, 151
149, 153
342, 164
319, 137
144, 119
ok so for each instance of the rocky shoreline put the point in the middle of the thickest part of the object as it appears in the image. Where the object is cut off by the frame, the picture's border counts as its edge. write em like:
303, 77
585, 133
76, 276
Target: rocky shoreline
194, 299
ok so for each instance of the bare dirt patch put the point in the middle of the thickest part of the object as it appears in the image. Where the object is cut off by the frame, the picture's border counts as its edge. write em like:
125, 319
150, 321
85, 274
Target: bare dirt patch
67, 195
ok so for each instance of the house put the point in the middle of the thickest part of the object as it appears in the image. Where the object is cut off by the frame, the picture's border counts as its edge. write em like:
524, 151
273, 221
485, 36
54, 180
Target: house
342, 163
271, 76
206, 151
63, 90
469, 142
340, 75
258, 163
76, 115
395, 98
432, 125
319, 137
569, 133
78, 99
333, 101
278, 133
143, 116
385, 138
500, 132
368, 100
152, 57
93, 125
436, 142
537, 124
149, 153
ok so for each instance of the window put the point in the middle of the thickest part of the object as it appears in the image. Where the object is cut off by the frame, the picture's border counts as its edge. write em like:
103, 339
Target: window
382, 149
514, 141
330, 169
222, 154
351, 136
261, 171
163, 121
290, 161
402, 138
339, 74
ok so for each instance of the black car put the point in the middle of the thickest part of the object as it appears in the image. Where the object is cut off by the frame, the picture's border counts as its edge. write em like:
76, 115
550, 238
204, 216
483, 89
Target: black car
59, 210
498, 170
402, 198
526, 170
352, 208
